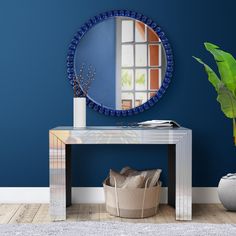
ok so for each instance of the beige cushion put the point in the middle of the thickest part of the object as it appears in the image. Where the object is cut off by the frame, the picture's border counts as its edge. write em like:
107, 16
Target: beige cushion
134, 182
120, 179
123, 181
127, 171
151, 175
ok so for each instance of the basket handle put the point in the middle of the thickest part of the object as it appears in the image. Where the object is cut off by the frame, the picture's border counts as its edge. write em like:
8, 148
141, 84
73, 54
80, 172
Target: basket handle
116, 195
144, 196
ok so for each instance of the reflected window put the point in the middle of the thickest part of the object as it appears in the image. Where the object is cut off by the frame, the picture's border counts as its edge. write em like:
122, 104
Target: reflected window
140, 98
127, 100
154, 79
140, 79
127, 55
140, 32
127, 29
127, 79
153, 59
152, 36
139, 54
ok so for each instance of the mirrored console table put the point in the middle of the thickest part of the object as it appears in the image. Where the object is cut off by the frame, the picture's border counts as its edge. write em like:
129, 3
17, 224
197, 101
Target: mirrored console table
179, 141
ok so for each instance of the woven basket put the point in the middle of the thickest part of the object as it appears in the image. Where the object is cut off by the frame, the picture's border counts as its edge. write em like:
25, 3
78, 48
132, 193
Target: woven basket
132, 203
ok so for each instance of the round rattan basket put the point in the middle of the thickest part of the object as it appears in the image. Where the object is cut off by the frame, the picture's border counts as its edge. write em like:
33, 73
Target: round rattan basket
132, 202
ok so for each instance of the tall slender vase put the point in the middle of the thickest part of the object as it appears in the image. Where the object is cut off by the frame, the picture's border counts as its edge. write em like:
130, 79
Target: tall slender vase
79, 116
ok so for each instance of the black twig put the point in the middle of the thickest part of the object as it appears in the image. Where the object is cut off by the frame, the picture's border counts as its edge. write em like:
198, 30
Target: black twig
83, 83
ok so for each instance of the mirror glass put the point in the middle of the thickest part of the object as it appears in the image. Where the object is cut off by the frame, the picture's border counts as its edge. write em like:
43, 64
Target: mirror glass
129, 60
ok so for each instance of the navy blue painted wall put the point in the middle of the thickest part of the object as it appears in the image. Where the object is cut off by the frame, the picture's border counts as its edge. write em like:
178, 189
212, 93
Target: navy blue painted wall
36, 96
98, 49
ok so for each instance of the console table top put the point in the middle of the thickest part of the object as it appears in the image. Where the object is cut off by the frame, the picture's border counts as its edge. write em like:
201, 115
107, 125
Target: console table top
121, 128
120, 135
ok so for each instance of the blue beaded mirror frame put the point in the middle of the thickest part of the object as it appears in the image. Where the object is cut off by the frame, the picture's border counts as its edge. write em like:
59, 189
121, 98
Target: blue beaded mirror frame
165, 42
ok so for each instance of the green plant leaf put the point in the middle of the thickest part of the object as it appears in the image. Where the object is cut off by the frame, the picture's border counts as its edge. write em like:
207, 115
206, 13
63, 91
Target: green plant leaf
140, 80
212, 76
225, 97
226, 65
125, 81
227, 102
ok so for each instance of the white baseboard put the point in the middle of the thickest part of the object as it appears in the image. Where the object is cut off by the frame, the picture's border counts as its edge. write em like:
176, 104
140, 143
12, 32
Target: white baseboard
205, 195
24, 195
91, 195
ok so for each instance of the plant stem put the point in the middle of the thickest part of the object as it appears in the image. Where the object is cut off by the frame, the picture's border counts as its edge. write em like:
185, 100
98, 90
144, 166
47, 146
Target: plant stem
234, 131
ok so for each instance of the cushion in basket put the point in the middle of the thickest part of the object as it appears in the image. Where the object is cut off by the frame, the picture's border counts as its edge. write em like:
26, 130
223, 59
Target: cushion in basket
152, 175
123, 181
120, 179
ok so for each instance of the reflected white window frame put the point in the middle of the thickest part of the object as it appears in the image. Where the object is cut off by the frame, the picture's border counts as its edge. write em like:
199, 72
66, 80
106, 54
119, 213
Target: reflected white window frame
159, 77
119, 67
159, 52
132, 77
146, 78
131, 50
129, 26
135, 35
146, 48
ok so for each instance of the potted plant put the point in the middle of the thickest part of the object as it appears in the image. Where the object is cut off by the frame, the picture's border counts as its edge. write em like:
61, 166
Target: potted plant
225, 86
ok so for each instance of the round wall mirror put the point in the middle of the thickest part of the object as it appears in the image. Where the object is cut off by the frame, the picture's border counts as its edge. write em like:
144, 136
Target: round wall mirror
131, 57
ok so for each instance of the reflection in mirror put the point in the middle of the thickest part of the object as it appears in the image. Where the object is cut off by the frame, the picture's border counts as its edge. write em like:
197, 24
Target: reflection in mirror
129, 59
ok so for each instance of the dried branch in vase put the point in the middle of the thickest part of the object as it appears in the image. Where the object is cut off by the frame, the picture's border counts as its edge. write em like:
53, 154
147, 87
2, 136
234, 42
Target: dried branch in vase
82, 84
90, 78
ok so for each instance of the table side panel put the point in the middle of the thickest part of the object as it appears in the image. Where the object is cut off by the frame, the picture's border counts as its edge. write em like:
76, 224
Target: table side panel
57, 178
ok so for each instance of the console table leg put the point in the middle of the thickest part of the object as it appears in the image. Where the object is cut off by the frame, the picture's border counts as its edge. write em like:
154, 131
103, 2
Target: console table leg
68, 175
57, 164
183, 200
171, 175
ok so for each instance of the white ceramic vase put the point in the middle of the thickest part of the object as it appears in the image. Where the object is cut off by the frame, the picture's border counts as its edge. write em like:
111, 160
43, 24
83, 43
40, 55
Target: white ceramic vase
79, 109
227, 191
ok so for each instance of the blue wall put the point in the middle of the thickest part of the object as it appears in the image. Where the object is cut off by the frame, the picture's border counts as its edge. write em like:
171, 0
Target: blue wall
36, 96
98, 49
